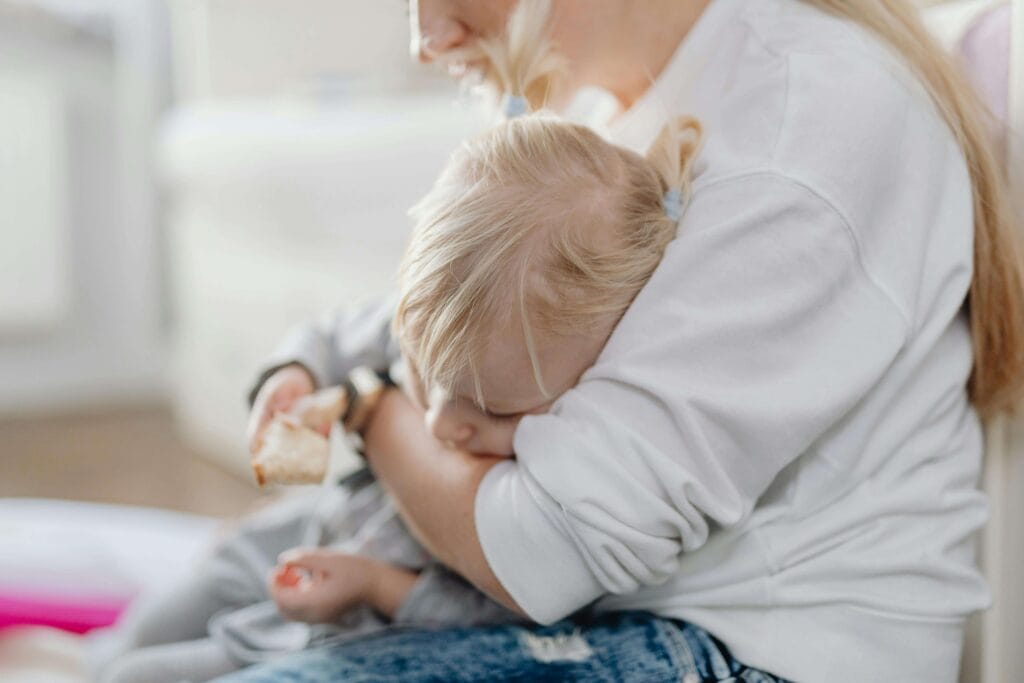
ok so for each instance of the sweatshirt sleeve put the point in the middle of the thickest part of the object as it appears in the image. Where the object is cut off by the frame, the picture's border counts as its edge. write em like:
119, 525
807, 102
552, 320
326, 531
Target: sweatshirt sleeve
332, 345
759, 330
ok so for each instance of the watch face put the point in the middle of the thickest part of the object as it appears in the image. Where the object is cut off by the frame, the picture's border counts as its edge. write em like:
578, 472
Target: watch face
364, 387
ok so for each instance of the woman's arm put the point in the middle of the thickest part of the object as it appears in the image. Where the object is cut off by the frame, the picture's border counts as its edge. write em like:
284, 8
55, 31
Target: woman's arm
434, 488
761, 329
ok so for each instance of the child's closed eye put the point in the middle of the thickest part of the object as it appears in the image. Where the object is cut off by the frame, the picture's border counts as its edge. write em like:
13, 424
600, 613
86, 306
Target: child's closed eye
501, 417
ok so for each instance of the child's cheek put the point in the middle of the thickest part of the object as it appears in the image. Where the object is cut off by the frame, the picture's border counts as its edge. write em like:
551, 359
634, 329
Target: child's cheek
509, 437
497, 439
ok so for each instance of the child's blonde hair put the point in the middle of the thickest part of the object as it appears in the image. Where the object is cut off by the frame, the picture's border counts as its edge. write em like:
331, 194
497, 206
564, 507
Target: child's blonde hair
996, 298
540, 222
537, 223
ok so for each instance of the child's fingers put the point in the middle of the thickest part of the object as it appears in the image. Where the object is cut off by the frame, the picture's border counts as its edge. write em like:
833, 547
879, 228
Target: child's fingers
320, 409
277, 394
258, 420
294, 555
292, 603
317, 560
287, 576
286, 583
305, 601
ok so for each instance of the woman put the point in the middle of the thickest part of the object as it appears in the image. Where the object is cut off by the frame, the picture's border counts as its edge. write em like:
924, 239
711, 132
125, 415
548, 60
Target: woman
772, 465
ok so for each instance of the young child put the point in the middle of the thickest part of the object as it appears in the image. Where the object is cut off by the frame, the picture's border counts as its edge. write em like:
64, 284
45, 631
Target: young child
532, 243
537, 232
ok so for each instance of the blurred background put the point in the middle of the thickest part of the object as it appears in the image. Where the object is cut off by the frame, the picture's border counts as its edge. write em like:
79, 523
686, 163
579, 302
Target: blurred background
181, 181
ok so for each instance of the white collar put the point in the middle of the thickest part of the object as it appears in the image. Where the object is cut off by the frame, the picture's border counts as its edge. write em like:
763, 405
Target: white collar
637, 126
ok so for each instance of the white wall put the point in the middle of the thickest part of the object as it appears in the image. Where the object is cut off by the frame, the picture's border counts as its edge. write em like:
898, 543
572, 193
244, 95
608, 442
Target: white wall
35, 282
88, 327
301, 136
263, 48
84, 310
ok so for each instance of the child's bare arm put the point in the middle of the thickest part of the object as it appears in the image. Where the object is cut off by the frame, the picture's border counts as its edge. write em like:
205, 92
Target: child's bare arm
317, 585
390, 587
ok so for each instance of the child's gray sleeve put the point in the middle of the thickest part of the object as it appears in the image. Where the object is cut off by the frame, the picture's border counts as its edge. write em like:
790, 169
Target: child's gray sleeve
332, 345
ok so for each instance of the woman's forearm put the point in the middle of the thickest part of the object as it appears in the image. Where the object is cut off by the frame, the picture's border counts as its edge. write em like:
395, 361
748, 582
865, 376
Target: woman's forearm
434, 488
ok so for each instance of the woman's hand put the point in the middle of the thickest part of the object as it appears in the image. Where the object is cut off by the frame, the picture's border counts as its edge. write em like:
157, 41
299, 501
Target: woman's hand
278, 394
317, 586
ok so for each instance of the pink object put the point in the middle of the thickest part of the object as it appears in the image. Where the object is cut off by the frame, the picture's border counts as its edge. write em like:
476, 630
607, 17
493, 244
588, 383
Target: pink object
76, 566
75, 614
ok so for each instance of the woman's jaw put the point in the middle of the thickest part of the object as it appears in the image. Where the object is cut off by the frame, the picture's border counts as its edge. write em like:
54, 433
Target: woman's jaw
616, 45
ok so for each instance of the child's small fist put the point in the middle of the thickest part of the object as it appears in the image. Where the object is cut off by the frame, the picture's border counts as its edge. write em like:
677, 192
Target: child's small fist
287, 576
277, 395
318, 585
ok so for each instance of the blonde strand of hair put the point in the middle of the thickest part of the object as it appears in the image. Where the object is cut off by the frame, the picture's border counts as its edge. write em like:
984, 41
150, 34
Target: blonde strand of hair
523, 61
996, 297
675, 151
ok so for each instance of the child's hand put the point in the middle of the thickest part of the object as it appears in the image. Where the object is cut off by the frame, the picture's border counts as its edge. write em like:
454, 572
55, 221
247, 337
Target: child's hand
278, 394
317, 586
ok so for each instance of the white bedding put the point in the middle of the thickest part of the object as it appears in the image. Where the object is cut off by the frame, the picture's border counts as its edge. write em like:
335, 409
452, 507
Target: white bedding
62, 547
59, 548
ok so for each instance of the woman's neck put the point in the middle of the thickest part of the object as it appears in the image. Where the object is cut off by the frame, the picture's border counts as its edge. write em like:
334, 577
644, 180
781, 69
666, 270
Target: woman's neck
643, 44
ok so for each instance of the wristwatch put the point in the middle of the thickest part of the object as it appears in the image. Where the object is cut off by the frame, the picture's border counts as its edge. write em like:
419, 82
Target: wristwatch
364, 386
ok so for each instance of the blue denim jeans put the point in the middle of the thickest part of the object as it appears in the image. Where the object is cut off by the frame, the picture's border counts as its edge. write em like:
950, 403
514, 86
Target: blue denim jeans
624, 647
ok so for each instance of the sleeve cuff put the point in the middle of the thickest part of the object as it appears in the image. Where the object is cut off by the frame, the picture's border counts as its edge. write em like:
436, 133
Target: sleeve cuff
265, 375
527, 544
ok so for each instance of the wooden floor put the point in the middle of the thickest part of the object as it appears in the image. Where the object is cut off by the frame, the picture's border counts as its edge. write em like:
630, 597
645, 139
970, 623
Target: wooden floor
131, 456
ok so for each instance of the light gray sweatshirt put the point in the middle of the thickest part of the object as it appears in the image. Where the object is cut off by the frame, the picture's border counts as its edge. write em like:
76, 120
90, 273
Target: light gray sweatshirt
776, 443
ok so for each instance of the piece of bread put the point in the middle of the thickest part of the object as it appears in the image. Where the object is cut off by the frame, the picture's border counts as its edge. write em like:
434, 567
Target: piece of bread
324, 407
291, 454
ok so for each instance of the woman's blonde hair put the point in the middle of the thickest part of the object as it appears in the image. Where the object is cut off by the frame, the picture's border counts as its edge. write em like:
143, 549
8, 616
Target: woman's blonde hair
523, 63
996, 299
537, 223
